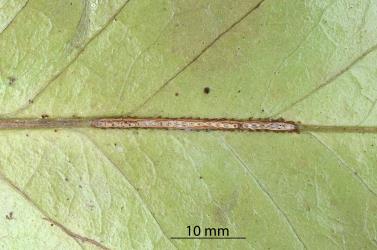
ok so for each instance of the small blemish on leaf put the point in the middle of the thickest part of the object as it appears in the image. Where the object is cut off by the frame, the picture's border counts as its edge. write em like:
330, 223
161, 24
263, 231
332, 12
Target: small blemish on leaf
176, 94
206, 90
200, 177
31, 101
91, 206
66, 179
307, 207
12, 80
44, 116
9, 216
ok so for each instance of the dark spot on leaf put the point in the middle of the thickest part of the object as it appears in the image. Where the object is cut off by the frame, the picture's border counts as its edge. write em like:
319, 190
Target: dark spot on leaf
91, 206
206, 90
239, 91
44, 116
55, 130
80, 186
9, 216
52, 224
27, 135
66, 179
177, 94
262, 110
30, 101
200, 177
12, 80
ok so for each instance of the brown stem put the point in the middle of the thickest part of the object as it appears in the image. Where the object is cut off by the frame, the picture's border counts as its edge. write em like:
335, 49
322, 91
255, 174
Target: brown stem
337, 129
43, 123
187, 124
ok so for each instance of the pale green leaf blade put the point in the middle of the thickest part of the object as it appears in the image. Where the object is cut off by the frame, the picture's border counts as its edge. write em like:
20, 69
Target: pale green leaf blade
307, 61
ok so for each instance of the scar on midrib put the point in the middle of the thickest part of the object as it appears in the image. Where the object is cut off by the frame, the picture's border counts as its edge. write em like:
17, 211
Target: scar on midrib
185, 124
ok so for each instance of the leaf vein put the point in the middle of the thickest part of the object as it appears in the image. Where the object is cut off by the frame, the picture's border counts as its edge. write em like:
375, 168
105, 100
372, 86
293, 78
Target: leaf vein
139, 197
293, 52
206, 48
265, 191
74, 59
344, 163
15, 16
75, 236
330, 80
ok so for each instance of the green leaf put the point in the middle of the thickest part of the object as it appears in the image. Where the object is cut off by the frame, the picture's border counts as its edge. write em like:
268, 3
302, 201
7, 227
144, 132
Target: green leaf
307, 61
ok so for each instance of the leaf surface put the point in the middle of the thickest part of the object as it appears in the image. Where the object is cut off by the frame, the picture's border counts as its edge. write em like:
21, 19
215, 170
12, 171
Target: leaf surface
307, 61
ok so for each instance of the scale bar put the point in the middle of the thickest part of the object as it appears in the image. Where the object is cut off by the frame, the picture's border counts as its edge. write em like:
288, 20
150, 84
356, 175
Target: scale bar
208, 238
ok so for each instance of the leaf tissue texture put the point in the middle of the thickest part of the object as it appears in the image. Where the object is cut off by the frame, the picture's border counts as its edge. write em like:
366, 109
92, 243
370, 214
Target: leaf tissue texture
85, 188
